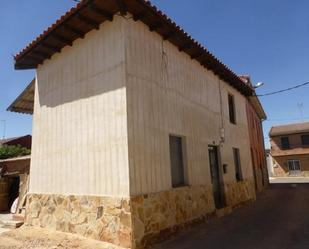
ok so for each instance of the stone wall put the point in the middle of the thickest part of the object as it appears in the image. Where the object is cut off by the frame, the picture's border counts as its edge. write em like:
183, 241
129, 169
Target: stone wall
239, 192
136, 221
160, 214
156, 216
102, 218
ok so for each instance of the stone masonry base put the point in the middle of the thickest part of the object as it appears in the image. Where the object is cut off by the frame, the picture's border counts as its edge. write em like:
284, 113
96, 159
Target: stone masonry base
102, 218
132, 222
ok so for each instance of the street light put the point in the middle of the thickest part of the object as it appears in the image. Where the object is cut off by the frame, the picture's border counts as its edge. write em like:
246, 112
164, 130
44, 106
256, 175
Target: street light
259, 84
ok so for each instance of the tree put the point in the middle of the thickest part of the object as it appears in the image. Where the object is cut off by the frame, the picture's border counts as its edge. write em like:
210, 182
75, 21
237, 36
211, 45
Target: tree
10, 151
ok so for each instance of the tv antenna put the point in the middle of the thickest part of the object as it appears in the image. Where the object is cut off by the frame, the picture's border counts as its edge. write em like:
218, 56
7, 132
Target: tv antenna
301, 107
4, 128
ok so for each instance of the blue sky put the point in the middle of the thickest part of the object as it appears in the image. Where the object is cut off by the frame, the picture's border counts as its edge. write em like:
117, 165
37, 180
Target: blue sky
267, 39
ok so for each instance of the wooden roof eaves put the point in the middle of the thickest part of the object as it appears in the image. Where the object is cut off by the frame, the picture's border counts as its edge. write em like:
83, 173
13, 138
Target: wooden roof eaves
28, 90
146, 12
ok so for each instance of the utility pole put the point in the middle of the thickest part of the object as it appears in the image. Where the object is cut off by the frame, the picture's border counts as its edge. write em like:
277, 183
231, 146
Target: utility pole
4, 128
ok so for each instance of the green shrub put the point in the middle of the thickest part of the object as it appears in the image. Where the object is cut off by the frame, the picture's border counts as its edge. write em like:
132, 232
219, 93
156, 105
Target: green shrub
10, 151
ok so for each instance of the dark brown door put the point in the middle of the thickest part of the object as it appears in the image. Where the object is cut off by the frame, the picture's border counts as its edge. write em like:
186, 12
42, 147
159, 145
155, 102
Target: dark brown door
216, 176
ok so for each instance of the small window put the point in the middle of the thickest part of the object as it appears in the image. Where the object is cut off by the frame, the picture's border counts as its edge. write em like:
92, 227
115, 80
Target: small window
285, 143
294, 165
305, 139
232, 109
238, 172
177, 164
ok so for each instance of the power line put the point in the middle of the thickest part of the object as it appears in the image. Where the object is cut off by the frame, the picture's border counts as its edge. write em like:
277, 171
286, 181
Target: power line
284, 90
285, 119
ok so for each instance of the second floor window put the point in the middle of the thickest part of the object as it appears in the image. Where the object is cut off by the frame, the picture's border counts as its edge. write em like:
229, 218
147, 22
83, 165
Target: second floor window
232, 112
285, 143
305, 139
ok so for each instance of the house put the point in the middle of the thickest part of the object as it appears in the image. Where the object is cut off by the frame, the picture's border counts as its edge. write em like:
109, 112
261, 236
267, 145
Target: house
14, 174
138, 130
23, 141
256, 115
290, 149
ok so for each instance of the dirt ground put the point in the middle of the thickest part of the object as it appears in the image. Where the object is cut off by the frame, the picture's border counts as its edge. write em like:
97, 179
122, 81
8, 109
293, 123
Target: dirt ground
37, 238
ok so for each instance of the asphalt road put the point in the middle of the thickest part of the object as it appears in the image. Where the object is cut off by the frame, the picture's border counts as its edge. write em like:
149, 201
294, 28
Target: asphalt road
278, 220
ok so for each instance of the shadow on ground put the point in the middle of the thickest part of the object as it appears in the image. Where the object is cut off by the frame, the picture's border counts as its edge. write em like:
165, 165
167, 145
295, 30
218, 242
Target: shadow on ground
278, 220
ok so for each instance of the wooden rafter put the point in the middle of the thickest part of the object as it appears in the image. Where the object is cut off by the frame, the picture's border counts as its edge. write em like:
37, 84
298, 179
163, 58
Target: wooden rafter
89, 21
75, 31
139, 16
155, 26
196, 55
184, 47
50, 47
102, 12
43, 54
168, 35
122, 7
62, 39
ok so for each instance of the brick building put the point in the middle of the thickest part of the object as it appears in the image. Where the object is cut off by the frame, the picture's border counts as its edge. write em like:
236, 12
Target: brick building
290, 149
256, 115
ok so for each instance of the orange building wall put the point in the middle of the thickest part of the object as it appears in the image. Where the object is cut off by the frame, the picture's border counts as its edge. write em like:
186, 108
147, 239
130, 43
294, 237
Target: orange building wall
257, 148
281, 165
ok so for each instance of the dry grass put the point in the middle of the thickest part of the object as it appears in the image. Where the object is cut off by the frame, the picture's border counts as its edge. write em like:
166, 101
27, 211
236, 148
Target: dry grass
38, 238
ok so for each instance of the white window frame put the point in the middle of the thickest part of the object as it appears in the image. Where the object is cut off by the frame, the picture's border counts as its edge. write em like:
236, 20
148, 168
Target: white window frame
293, 161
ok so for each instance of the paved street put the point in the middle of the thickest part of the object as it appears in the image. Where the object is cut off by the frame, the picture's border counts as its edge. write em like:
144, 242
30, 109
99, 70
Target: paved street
278, 220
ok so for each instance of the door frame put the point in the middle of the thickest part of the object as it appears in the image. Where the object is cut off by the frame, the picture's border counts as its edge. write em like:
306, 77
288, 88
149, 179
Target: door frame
221, 190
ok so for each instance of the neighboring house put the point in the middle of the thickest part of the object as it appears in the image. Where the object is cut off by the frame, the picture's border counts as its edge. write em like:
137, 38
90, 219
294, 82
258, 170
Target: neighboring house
256, 115
24, 141
290, 149
14, 174
137, 129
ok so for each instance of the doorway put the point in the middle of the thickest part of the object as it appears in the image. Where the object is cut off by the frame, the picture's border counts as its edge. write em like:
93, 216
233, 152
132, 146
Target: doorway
14, 189
216, 177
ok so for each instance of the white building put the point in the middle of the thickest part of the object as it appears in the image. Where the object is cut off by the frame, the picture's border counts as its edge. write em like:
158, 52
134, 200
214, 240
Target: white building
137, 129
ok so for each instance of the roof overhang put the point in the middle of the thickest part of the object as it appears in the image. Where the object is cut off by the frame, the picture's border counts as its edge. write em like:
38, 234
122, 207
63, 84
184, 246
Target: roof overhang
289, 129
256, 103
89, 14
25, 101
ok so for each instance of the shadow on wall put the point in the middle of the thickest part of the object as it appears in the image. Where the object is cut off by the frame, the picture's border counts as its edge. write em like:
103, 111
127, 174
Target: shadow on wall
91, 66
54, 92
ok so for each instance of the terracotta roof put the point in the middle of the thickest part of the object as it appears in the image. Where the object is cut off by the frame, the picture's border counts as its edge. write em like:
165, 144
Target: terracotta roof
89, 14
4, 141
25, 101
24, 141
289, 129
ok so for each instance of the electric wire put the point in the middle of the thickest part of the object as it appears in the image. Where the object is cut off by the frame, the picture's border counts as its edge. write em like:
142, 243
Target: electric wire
283, 90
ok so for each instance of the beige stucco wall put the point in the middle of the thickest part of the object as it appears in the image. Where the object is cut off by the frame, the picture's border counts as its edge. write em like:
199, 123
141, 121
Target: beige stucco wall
112, 99
79, 131
169, 93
